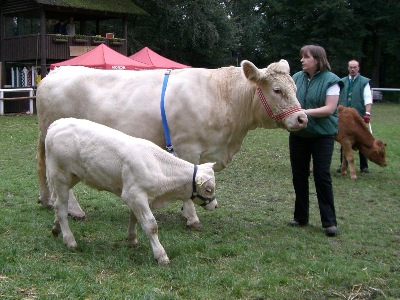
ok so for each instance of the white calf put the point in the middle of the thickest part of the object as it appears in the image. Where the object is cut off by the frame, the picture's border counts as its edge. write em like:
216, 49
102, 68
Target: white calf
138, 171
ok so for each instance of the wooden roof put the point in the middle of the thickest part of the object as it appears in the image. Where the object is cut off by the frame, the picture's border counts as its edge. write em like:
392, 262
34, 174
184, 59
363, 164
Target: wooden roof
116, 6
85, 7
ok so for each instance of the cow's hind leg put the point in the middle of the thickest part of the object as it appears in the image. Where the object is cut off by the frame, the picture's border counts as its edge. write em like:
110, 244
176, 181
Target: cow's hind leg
132, 229
349, 155
61, 215
74, 208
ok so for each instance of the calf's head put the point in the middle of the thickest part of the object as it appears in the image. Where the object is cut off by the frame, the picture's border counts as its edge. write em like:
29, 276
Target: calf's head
204, 187
277, 92
378, 153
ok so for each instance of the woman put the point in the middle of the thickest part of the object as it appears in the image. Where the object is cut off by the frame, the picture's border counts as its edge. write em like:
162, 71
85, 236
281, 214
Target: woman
318, 93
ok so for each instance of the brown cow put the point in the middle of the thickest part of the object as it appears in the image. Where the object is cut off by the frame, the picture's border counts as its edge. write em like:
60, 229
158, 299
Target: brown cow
354, 135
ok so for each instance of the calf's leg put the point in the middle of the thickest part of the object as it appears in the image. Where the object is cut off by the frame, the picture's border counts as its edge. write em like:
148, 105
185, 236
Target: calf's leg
189, 212
349, 155
132, 229
61, 215
74, 208
140, 207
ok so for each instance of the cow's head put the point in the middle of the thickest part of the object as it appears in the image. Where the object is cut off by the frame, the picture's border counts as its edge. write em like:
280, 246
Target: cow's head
276, 90
204, 186
378, 153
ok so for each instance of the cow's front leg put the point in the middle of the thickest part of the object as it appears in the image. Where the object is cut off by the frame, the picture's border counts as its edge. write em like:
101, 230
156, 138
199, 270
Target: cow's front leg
139, 205
189, 212
132, 229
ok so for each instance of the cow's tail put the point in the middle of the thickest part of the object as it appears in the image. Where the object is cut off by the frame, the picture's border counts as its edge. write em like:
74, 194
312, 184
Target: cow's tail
44, 195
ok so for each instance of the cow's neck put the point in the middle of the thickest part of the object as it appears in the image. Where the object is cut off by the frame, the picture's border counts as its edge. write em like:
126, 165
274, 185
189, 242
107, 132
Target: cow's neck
367, 145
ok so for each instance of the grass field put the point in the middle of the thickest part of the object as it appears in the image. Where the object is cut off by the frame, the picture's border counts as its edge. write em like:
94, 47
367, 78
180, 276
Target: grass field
244, 251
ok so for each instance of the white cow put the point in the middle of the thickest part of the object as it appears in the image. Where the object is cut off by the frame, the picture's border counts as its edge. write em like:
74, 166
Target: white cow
209, 111
138, 171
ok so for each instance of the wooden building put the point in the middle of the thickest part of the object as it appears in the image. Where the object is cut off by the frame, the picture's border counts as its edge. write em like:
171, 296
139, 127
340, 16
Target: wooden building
28, 43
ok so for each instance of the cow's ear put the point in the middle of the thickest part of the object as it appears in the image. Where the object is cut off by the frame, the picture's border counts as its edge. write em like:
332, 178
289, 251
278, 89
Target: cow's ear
284, 66
250, 71
281, 67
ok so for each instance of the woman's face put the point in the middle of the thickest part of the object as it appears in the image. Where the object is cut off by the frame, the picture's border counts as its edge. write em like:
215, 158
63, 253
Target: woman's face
309, 63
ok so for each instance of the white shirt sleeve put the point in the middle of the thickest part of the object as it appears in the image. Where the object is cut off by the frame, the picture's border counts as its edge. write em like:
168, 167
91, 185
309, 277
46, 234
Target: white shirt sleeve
367, 95
334, 90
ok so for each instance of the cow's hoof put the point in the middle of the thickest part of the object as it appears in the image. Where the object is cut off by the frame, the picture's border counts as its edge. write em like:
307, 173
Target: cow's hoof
194, 226
133, 243
77, 217
44, 205
353, 178
55, 231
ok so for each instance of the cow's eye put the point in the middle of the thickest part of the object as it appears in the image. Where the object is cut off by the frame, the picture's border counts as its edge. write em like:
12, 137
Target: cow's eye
277, 90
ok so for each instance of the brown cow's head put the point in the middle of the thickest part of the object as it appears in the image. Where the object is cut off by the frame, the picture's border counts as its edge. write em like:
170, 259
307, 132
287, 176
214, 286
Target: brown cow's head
377, 154
277, 92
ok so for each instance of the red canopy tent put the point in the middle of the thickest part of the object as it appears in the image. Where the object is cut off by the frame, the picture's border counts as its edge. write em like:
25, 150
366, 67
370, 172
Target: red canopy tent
103, 57
149, 57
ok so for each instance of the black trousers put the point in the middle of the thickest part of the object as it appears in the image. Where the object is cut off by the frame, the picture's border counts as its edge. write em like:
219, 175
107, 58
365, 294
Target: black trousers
363, 159
321, 150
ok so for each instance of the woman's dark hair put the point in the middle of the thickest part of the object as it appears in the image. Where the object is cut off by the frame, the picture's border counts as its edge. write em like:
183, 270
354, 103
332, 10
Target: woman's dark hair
319, 54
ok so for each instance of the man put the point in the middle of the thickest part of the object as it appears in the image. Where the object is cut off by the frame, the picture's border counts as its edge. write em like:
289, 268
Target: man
60, 28
356, 93
70, 27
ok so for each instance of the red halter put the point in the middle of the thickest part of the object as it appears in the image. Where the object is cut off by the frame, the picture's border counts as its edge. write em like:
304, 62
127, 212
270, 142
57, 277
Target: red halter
280, 116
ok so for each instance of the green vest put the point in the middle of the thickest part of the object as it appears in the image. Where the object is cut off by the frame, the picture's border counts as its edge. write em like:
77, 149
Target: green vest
357, 94
312, 94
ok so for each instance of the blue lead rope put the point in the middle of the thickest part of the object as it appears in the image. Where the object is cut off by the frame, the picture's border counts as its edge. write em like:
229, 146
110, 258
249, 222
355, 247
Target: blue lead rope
170, 149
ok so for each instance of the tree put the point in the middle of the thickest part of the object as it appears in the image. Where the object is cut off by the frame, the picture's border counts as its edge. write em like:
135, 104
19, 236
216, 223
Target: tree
195, 32
214, 33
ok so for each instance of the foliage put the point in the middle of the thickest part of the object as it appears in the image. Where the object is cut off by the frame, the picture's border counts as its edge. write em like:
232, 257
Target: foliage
207, 33
116, 40
98, 38
244, 251
198, 32
60, 36
80, 37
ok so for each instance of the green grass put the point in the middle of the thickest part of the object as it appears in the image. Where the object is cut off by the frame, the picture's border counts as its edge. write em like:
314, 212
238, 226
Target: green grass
244, 251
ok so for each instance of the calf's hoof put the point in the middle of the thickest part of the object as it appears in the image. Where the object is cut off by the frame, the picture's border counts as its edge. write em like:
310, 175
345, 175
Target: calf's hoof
163, 260
70, 242
56, 229
77, 216
74, 209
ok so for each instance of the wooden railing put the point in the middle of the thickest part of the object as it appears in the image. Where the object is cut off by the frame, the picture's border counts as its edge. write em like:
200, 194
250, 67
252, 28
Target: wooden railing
28, 47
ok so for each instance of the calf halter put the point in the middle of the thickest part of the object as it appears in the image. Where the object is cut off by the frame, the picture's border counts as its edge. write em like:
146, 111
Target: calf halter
206, 200
280, 116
